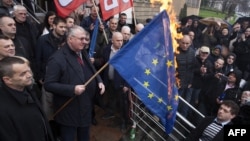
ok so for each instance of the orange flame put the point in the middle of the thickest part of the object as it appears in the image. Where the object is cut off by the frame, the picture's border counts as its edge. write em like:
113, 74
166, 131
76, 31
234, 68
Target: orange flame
174, 24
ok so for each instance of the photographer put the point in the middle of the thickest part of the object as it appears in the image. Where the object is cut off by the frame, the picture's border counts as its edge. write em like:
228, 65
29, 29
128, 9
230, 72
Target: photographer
230, 87
212, 88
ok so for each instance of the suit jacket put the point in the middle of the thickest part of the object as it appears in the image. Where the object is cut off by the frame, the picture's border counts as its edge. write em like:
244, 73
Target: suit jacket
119, 82
197, 132
62, 75
21, 117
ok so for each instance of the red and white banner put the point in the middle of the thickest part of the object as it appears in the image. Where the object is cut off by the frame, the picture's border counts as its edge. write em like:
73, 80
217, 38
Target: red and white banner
65, 7
112, 7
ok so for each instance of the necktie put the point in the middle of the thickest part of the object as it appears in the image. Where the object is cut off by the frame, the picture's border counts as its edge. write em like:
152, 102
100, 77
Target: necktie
79, 59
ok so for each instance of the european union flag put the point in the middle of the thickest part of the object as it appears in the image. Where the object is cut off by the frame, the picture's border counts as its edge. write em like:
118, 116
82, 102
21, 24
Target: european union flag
147, 64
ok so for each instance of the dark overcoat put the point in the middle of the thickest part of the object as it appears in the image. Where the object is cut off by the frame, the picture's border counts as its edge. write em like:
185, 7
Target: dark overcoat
62, 75
21, 117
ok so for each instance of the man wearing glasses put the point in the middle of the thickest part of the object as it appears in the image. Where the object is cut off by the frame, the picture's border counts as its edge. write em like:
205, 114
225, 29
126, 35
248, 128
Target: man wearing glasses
67, 72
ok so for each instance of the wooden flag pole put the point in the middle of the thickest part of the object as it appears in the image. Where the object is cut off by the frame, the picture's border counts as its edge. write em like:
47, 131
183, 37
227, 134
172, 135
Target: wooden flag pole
133, 9
72, 98
99, 18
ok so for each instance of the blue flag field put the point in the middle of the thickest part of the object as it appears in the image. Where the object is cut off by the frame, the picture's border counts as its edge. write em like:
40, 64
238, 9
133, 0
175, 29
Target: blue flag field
93, 39
147, 64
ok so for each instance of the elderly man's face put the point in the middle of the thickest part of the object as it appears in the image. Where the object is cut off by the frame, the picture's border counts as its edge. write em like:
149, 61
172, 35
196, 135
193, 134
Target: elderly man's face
126, 35
20, 15
78, 41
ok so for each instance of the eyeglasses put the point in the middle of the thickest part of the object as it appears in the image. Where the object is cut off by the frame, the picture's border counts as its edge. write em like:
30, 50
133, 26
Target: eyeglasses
81, 39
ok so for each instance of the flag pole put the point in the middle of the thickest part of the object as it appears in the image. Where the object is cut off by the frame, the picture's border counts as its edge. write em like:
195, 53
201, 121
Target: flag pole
133, 10
99, 18
72, 98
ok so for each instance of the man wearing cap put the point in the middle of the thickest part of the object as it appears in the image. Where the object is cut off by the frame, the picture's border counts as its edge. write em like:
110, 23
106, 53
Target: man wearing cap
202, 67
212, 84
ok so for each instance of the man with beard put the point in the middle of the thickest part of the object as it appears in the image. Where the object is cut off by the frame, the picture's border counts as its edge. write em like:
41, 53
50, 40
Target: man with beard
211, 86
122, 21
46, 46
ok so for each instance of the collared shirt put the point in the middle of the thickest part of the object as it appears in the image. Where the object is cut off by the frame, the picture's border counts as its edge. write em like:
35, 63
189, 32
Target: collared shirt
111, 68
229, 86
222, 123
212, 130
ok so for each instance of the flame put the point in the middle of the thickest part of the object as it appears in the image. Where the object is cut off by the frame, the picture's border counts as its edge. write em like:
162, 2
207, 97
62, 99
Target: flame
174, 24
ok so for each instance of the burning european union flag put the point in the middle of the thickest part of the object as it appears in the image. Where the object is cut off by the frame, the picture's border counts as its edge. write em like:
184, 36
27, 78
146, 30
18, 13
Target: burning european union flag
147, 64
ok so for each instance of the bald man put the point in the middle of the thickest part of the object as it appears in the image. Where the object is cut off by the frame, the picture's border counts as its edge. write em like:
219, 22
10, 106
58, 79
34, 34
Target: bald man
117, 88
138, 27
185, 59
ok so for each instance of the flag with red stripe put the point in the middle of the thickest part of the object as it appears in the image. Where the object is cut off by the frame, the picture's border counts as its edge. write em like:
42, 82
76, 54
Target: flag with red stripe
65, 7
112, 7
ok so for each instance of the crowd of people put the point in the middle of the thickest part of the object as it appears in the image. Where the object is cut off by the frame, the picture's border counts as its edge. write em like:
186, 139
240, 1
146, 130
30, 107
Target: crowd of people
44, 66
212, 68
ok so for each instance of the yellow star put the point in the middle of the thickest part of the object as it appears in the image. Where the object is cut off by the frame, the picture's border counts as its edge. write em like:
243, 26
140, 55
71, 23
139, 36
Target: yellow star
160, 100
176, 97
155, 61
150, 95
147, 71
169, 63
146, 84
169, 107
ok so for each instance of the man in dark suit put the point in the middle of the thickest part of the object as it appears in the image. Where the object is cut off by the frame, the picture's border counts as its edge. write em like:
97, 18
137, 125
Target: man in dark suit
21, 115
68, 70
211, 128
117, 88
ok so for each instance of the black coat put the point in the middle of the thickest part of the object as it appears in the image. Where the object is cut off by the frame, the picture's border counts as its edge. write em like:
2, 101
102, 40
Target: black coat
196, 133
119, 82
63, 73
21, 118
185, 66
197, 79
46, 46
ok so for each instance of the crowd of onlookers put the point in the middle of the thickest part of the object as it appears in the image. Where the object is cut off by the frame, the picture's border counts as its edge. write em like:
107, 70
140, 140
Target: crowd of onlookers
213, 66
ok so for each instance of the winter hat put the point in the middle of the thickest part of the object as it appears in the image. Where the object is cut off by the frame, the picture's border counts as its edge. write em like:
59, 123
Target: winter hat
218, 47
238, 75
205, 49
